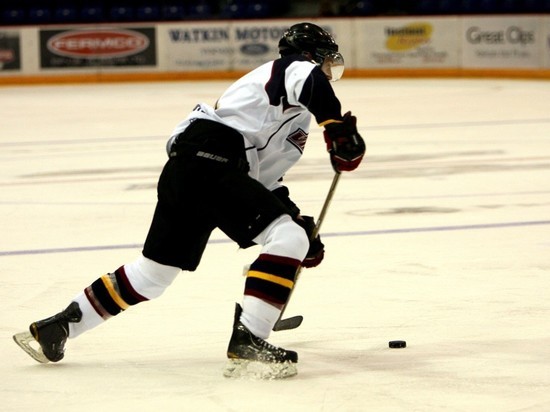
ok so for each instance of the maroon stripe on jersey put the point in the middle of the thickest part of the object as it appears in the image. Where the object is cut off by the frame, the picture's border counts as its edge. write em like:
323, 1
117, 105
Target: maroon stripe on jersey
283, 260
96, 304
276, 273
270, 292
276, 86
280, 266
112, 293
100, 292
125, 288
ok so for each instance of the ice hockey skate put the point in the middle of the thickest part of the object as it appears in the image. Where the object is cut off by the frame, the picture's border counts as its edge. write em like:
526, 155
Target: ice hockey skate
45, 341
254, 358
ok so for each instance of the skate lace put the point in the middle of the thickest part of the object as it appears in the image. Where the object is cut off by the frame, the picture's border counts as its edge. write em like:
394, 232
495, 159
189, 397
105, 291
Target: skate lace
269, 346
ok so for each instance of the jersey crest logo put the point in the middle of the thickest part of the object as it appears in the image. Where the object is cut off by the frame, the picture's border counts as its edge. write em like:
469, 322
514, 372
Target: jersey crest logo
298, 139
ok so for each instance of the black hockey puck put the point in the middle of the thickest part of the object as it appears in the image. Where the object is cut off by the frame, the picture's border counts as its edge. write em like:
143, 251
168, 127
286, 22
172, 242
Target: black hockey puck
394, 344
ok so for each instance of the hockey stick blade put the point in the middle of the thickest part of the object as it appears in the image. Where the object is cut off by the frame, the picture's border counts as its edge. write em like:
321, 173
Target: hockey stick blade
288, 323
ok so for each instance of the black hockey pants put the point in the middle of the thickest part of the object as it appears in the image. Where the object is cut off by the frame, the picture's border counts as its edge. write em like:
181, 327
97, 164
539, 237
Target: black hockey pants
204, 185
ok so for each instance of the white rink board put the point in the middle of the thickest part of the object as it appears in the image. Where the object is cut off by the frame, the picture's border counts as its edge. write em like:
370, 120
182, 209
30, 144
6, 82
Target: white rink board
209, 48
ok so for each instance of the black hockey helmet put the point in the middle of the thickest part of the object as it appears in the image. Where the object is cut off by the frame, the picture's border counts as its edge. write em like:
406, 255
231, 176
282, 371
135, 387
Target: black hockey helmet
310, 38
307, 37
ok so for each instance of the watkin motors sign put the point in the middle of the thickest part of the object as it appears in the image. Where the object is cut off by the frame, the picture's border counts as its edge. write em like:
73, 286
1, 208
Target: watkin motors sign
103, 47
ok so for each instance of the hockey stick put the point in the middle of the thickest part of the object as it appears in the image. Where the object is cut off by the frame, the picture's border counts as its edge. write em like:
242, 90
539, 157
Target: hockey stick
295, 321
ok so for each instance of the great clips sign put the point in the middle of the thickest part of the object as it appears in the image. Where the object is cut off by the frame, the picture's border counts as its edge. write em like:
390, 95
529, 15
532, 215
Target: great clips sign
97, 48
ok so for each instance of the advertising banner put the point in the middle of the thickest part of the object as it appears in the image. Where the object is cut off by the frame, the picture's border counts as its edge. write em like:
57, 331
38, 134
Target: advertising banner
196, 47
242, 45
216, 46
407, 43
501, 42
256, 42
10, 51
97, 47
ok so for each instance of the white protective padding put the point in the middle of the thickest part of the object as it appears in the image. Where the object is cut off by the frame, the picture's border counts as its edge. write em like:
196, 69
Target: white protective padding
284, 237
149, 278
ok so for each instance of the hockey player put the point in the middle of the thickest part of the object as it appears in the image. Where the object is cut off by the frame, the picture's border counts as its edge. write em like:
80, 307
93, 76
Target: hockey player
224, 170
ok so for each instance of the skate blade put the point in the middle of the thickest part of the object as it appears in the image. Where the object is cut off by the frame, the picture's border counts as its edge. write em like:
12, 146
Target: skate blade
24, 340
246, 369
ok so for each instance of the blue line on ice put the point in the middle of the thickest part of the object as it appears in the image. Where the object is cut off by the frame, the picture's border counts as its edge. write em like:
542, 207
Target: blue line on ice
325, 235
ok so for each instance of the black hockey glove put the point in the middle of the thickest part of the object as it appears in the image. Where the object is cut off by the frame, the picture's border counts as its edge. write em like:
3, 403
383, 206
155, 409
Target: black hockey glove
345, 144
316, 251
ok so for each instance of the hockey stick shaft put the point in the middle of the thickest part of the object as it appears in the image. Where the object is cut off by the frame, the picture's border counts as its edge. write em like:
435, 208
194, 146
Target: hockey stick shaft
295, 321
326, 205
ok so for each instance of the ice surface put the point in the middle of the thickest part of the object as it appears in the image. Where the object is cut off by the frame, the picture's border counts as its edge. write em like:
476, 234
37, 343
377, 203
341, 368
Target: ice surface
441, 238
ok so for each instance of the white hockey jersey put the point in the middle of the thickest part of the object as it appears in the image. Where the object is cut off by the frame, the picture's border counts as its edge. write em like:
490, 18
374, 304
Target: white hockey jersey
272, 107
